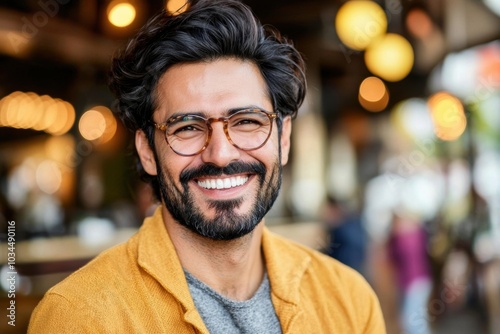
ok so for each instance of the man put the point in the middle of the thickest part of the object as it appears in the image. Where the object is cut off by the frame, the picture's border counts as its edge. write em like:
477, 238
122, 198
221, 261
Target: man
210, 95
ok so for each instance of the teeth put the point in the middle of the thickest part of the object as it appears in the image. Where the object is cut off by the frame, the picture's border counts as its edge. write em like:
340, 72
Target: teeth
226, 183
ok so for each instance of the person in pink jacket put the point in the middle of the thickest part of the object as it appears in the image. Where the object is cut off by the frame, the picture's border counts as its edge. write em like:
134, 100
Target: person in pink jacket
210, 95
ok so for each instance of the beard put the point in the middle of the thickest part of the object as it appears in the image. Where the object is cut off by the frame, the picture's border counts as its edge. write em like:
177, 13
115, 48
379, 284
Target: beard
227, 223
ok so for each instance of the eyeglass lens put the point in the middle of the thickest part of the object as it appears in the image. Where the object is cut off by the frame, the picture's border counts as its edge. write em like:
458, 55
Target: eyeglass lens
247, 130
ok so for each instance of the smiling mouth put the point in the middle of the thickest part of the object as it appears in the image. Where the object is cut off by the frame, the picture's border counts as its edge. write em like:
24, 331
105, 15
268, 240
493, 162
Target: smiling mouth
223, 183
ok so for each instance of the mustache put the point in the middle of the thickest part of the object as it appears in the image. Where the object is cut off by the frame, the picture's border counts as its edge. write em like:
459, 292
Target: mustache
232, 168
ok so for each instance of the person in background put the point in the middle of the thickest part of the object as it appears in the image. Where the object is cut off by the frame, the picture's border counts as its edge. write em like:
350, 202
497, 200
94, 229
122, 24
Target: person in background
407, 246
348, 240
210, 95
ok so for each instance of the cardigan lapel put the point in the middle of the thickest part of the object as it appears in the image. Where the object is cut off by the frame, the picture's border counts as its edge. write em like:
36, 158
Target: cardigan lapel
286, 267
158, 257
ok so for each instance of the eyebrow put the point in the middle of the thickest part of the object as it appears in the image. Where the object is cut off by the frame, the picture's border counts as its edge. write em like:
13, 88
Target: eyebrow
227, 113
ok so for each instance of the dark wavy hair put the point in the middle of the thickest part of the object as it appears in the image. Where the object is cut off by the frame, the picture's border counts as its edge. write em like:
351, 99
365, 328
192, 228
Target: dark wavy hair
208, 30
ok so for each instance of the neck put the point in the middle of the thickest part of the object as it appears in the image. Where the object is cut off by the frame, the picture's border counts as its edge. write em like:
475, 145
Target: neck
233, 268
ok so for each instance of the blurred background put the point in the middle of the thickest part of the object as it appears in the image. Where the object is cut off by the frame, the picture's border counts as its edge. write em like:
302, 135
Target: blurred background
395, 164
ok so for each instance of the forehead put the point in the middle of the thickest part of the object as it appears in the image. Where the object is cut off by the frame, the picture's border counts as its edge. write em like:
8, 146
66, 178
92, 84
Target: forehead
211, 88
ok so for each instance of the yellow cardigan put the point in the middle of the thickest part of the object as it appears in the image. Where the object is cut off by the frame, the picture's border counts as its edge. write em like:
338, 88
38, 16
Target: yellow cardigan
139, 287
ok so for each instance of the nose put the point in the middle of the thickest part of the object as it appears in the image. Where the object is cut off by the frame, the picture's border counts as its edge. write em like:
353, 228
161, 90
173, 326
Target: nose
220, 151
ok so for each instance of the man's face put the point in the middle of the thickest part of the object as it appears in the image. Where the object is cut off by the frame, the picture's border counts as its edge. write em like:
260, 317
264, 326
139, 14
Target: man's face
250, 180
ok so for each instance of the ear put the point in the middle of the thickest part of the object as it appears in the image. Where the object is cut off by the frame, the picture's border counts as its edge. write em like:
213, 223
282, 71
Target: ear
286, 132
146, 154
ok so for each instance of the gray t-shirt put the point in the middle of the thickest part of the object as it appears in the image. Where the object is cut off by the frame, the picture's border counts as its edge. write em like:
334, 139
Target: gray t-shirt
225, 316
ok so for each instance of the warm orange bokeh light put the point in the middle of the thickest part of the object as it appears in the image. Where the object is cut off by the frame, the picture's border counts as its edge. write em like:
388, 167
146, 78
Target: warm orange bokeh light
447, 113
92, 125
121, 13
373, 94
176, 6
31, 111
66, 119
419, 23
98, 123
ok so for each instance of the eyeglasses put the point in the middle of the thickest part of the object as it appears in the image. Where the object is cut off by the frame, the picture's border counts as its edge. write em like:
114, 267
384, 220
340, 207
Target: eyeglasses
247, 129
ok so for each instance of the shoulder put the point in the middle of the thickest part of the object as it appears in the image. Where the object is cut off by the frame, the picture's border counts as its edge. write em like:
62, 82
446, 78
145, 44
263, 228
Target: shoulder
292, 258
83, 298
334, 294
316, 261
110, 273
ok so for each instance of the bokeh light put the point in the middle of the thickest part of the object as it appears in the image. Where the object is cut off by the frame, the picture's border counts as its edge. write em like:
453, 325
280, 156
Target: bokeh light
412, 118
31, 111
97, 123
25, 109
48, 176
176, 6
121, 13
43, 121
485, 175
8, 109
358, 23
66, 121
419, 23
92, 125
390, 57
373, 94
447, 113
20, 182
421, 195
50, 115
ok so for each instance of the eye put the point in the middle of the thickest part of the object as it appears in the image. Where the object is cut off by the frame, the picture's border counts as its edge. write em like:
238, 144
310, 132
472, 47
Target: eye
187, 126
249, 121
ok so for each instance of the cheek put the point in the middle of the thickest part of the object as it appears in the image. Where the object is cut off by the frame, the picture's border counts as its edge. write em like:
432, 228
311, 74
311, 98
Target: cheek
274, 140
167, 164
172, 165
268, 155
